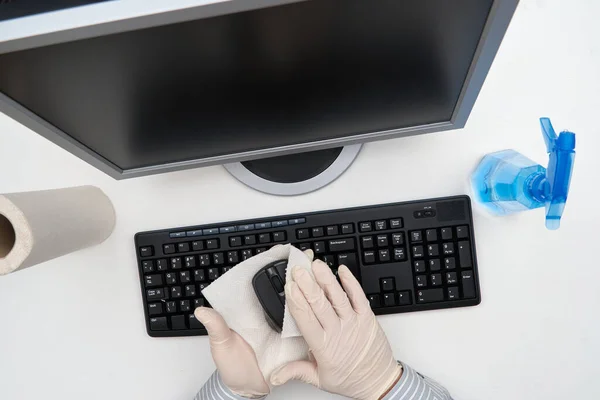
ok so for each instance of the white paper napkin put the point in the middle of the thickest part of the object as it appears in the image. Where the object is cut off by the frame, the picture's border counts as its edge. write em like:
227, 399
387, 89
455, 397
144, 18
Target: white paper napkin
232, 295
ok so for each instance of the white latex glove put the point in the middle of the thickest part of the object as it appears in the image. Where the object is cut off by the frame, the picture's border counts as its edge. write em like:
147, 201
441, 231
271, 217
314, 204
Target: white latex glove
235, 359
351, 354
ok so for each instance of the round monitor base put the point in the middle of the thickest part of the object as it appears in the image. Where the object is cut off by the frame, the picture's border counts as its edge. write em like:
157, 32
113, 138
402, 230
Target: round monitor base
295, 174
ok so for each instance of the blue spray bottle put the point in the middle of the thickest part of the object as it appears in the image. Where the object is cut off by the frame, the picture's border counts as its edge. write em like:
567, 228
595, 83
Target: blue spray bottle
506, 182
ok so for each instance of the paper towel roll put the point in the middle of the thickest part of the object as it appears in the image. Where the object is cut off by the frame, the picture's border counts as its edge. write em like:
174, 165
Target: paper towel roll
39, 226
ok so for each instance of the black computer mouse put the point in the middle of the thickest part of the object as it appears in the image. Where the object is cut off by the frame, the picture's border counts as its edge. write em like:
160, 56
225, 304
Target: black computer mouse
269, 285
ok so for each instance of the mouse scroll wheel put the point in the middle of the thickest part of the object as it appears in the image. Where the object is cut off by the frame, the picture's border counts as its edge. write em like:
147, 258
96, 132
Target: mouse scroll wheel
277, 284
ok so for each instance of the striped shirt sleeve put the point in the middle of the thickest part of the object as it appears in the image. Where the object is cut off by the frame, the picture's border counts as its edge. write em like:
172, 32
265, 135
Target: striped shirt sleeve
414, 386
215, 389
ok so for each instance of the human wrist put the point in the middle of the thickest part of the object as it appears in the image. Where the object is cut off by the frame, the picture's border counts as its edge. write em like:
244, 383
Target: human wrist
394, 381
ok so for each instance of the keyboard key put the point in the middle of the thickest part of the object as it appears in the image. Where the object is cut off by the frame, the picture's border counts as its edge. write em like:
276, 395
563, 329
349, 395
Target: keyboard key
227, 229
449, 263
367, 242
246, 254
431, 235
161, 265
190, 291
302, 234
193, 233
153, 280
419, 266
436, 280
262, 225
175, 292
464, 254
332, 230
202, 286
199, 303
396, 223
317, 232
168, 248
158, 324
264, 238
224, 270
387, 284
374, 300
235, 241
448, 249
430, 295
384, 255
399, 254
434, 265
446, 233
260, 250
451, 278
171, 278
453, 293
177, 235
155, 308
329, 260
319, 247
369, 257
190, 261
178, 322
421, 280
349, 260
279, 237
304, 246
296, 221
212, 244
397, 239
344, 244
365, 227
210, 231
199, 275
468, 284
213, 273
380, 225
433, 250
404, 298
171, 307
249, 240
183, 247
233, 257
184, 305
194, 323
389, 299
204, 260
416, 236
347, 229
148, 266
382, 240
176, 263
197, 245
462, 232
417, 251
245, 227
155, 294
219, 259
146, 251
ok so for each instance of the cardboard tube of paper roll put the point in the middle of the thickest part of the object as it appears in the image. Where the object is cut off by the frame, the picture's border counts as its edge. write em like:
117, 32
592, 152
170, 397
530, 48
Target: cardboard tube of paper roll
39, 226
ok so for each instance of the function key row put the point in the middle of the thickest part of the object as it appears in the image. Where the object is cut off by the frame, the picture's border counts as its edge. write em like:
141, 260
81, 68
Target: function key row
380, 225
320, 231
196, 245
434, 235
237, 228
262, 238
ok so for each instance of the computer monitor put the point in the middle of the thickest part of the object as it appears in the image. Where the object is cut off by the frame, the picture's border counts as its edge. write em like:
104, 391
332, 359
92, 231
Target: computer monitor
244, 80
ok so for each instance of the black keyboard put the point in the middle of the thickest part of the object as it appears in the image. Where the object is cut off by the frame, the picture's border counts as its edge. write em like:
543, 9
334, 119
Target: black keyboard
411, 256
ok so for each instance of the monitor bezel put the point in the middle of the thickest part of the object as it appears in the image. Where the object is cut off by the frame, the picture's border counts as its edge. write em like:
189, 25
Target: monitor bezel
496, 25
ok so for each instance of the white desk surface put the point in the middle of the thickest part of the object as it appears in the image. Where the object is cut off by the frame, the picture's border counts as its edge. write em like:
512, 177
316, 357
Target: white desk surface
73, 328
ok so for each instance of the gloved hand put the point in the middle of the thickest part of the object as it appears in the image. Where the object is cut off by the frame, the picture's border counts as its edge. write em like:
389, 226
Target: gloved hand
351, 355
235, 359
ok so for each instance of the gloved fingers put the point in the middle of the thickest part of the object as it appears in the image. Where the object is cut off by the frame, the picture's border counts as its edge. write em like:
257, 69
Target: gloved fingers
315, 296
304, 371
336, 295
357, 296
309, 254
307, 322
218, 331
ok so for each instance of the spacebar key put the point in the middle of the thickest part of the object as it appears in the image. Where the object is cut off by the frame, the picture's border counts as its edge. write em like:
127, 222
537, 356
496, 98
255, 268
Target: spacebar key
430, 295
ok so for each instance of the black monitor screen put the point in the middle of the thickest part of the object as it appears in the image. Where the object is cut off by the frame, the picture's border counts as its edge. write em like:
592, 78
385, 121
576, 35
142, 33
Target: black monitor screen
276, 76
